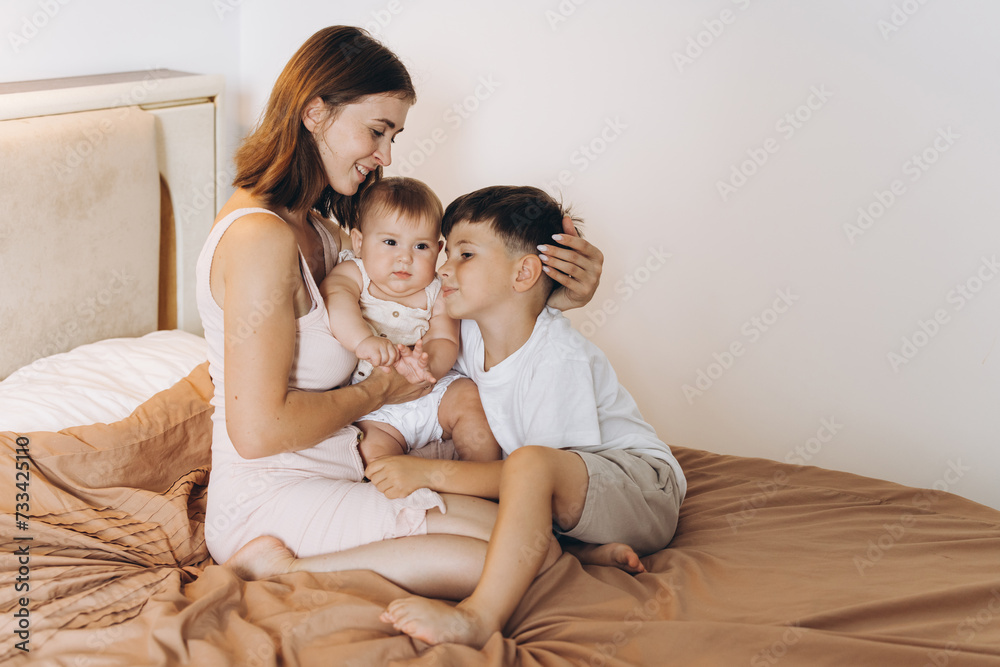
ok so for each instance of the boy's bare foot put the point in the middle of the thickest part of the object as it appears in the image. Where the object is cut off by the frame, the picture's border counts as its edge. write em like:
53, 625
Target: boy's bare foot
613, 554
260, 558
436, 622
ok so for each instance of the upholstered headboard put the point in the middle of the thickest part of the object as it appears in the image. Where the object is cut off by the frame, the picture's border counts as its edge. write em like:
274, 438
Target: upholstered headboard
108, 187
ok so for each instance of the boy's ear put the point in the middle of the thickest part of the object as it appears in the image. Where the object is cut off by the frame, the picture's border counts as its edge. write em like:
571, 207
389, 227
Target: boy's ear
314, 113
356, 238
529, 271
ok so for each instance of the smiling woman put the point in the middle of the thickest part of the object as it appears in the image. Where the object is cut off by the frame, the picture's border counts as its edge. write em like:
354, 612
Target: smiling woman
285, 456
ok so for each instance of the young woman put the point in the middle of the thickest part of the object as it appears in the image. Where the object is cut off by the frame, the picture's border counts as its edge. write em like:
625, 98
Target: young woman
285, 461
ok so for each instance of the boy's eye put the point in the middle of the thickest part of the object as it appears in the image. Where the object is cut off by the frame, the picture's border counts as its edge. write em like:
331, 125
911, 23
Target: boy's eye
422, 246
389, 242
466, 255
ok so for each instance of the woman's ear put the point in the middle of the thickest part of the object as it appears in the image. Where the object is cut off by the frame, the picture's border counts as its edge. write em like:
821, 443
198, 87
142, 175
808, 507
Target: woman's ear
314, 113
529, 270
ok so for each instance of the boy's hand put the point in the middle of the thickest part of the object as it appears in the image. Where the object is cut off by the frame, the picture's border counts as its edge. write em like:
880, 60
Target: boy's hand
576, 269
399, 476
414, 364
377, 351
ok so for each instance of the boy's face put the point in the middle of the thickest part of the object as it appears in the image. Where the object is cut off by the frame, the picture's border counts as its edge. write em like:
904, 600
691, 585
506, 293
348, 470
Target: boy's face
477, 274
400, 253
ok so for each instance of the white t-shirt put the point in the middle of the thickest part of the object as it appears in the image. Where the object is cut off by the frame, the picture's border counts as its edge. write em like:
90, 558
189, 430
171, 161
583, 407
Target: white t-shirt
558, 390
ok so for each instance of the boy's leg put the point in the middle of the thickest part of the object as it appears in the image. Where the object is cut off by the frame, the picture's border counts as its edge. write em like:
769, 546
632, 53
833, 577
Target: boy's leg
379, 440
463, 420
445, 563
538, 484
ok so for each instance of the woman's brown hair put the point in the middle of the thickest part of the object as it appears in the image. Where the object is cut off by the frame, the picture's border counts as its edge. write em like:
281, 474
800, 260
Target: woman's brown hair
279, 160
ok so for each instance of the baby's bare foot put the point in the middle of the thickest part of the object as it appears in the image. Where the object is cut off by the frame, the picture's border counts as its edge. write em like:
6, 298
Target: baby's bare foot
613, 554
260, 558
436, 622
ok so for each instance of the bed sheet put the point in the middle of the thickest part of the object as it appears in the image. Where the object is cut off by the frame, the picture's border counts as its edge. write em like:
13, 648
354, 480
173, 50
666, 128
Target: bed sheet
772, 564
100, 382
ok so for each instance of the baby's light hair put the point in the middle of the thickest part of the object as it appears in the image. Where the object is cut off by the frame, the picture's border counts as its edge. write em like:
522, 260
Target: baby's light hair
408, 196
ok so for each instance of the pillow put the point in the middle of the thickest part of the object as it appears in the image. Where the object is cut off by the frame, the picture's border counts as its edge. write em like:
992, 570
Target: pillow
99, 382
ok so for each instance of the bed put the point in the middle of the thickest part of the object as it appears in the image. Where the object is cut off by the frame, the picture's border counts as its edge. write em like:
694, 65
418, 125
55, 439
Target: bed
106, 434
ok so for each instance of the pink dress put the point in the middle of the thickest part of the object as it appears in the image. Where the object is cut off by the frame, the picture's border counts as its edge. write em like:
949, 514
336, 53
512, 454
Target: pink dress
314, 499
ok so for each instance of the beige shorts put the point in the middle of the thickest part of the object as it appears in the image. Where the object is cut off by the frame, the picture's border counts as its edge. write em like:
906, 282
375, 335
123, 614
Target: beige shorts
631, 498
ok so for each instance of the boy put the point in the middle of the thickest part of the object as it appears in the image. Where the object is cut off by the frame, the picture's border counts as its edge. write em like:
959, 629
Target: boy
580, 460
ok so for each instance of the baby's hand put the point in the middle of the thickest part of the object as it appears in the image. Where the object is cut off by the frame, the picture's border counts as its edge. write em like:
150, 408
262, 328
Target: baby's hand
377, 351
414, 364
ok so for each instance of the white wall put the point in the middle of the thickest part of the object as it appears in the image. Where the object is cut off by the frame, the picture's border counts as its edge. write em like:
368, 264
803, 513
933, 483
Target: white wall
46, 39
537, 88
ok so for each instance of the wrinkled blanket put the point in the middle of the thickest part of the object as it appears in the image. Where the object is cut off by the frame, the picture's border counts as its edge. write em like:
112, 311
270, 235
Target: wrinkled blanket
104, 563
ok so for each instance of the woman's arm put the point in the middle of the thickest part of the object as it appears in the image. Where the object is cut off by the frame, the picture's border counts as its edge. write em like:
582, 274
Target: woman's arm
577, 269
260, 268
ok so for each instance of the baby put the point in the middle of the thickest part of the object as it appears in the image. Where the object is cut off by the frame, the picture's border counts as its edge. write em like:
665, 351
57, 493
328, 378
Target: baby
383, 305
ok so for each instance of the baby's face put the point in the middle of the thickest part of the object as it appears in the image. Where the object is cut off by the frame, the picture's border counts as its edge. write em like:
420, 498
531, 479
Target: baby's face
400, 253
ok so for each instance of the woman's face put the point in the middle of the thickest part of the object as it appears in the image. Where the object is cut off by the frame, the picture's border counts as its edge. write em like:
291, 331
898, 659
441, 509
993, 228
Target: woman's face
357, 139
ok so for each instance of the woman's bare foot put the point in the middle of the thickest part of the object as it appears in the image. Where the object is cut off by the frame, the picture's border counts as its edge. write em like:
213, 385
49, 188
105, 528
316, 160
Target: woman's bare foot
613, 554
260, 558
436, 622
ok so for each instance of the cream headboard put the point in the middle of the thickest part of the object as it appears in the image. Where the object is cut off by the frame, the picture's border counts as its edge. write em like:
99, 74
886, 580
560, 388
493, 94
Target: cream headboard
108, 187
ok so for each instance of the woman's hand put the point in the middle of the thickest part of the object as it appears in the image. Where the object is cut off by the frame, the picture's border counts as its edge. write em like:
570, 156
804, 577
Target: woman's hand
390, 386
576, 269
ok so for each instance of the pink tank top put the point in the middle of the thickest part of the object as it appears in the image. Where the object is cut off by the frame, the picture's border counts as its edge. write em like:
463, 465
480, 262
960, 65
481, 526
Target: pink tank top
320, 362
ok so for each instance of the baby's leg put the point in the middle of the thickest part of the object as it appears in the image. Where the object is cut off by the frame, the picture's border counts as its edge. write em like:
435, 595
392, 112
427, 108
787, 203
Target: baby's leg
379, 440
463, 420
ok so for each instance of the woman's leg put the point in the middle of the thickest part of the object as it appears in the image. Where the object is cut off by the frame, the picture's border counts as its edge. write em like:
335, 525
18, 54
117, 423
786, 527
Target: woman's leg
445, 563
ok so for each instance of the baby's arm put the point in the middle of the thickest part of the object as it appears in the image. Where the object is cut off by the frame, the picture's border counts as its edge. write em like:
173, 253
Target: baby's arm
441, 340
341, 291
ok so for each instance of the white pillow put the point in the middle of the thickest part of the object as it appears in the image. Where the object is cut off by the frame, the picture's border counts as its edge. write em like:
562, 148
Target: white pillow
99, 382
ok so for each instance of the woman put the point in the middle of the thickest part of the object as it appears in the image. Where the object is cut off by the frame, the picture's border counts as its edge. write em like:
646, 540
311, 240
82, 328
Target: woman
284, 453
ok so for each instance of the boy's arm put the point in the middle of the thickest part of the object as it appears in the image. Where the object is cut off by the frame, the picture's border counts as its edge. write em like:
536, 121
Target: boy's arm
441, 340
399, 476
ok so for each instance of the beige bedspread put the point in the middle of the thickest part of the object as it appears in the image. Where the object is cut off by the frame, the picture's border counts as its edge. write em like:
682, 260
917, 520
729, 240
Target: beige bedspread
772, 564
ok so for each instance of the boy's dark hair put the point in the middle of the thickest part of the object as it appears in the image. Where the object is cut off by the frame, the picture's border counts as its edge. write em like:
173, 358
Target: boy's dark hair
409, 196
522, 217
